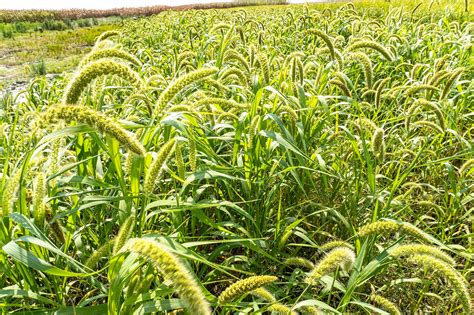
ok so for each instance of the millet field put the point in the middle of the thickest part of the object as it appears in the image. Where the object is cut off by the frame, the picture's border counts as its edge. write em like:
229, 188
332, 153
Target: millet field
294, 159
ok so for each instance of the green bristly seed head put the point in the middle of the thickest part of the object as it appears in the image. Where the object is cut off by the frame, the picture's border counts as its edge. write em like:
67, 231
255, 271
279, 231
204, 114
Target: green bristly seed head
110, 53
244, 286
385, 304
340, 257
457, 282
178, 84
333, 244
299, 262
95, 119
106, 35
378, 142
281, 309
421, 249
94, 70
371, 45
325, 38
172, 270
263, 294
388, 227
156, 166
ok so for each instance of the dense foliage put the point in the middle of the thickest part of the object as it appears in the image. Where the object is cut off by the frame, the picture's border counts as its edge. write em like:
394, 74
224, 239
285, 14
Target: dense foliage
293, 160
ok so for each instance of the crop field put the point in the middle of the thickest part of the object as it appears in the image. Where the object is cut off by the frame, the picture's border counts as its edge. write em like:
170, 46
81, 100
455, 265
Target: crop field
304, 159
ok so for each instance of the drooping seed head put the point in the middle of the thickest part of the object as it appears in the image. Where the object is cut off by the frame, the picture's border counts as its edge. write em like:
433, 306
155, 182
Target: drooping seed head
244, 286
340, 257
93, 118
180, 83
109, 53
371, 45
299, 262
456, 281
385, 304
173, 271
94, 70
157, 165
421, 249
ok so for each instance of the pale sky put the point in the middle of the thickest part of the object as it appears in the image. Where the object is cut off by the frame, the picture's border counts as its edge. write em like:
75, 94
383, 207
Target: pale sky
101, 4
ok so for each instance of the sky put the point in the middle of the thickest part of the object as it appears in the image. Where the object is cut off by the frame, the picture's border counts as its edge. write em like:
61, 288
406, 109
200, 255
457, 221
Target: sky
96, 4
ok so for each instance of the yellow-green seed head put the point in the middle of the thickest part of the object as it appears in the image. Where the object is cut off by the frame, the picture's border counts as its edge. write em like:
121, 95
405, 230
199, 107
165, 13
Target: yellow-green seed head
109, 53
281, 309
333, 244
421, 249
157, 165
95, 119
299, 262
244, 286
39, 206
340, 257
263, 294
457, 282
180, 83
94, 70
173, 271
371, 45
385, 304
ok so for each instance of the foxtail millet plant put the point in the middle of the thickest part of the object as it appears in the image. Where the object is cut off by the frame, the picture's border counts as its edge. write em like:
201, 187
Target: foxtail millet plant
263, 294
156, 166
124, 233
420, 87
428, 124
378, 144
226, 103
180, 83
109, 53
103, 251
422, 103
93, 70
366, 64
421, 249
9, 192
39, 206
325, 38
299, 262
450, 81
172, 270
234, 55
264, 67
333, 244
93, 118
378, 91
340, 257
386, 227
244, 286
371, 45
342, 86
457, 282
281, 309
385, 304
106, 35
179, 160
